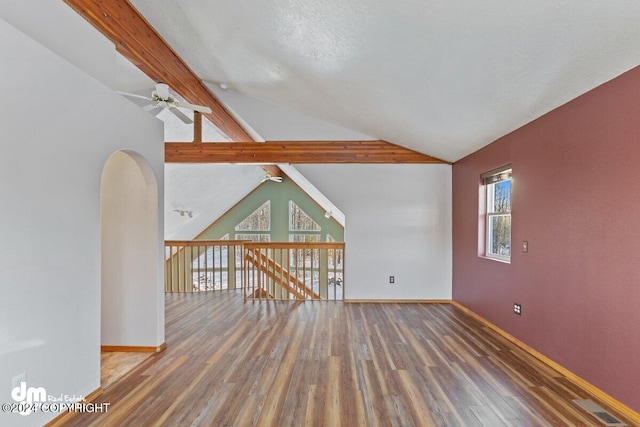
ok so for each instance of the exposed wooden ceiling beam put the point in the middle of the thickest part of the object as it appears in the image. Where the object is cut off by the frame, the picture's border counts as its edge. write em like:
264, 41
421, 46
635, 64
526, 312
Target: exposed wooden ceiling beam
135, 39
272, 170
294, 152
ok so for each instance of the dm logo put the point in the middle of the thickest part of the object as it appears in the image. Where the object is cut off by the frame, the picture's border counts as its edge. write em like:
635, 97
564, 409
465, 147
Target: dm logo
28, 397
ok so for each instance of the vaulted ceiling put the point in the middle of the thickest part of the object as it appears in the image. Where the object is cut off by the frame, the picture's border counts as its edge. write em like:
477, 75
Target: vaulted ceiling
440, 77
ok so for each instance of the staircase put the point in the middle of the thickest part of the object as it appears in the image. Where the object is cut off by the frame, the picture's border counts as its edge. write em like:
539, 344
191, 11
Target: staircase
279, 275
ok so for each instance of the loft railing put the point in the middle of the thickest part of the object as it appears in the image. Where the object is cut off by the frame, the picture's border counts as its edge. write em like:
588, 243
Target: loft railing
291, 270
281, 271
203, 265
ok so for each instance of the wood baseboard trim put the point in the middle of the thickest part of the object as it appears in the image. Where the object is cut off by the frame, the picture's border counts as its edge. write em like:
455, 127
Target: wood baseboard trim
609, 400
133, 349
397, 301
61, 419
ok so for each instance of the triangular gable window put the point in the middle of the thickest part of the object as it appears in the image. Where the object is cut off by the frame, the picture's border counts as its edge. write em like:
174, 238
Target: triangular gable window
259, 220
299, 220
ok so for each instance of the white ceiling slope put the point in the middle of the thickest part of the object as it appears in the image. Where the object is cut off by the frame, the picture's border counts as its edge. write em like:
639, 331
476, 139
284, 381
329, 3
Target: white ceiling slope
276, 123
205, 190
441, 77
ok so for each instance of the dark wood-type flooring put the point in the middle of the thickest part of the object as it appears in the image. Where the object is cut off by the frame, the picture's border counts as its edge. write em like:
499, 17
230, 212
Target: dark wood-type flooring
230, 363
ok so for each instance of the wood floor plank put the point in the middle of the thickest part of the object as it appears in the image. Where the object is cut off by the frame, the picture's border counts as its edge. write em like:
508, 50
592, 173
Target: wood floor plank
279, 363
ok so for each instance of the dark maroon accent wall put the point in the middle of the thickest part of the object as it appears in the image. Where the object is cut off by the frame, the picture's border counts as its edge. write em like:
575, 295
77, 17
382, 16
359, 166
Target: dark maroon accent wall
576, 200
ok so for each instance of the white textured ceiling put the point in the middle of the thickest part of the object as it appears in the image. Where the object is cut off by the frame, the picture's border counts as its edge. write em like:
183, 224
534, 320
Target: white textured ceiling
439, 76
205, 190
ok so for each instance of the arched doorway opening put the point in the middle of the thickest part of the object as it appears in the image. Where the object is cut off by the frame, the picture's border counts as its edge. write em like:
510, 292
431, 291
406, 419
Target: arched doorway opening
132, 304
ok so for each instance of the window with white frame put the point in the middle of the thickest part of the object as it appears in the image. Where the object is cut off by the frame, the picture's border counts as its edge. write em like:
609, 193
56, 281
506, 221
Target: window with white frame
498, 213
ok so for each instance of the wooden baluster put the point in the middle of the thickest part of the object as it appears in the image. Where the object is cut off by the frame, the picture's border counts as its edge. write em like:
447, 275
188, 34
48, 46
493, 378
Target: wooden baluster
166, 270
256, 277
317, 259
168, 276
284, 286
208, 267
259, 259
304, 266
176, 265
199, 274
184, 269
287, 254
190, 264
220, 267
335, 269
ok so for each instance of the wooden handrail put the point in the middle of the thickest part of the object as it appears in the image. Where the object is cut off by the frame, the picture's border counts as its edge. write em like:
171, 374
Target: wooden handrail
294, 245
205, 242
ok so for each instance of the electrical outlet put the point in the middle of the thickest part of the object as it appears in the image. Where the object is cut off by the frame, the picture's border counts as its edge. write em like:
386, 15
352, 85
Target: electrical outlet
392, 279
15, 381
517, 308
525, 246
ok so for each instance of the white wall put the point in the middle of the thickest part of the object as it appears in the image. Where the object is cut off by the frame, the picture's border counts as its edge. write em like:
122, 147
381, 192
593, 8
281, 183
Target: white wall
398, 223
59, 28
58, 128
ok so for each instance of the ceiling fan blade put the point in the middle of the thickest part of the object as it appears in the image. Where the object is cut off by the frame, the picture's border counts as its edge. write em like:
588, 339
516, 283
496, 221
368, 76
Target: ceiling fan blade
179, 114
151, 107
200, 108
154, 110
162, 90
134, 95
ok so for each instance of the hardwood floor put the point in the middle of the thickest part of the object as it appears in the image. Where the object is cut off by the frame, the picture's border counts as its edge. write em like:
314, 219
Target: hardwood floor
230, 363
116, 364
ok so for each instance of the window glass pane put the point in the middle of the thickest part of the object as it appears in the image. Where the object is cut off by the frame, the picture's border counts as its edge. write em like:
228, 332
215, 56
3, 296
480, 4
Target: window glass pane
254, 237
299, 220
304, 238
501, 197
499, 235
259, 220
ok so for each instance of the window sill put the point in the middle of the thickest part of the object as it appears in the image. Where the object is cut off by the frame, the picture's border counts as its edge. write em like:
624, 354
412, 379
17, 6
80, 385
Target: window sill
503, 261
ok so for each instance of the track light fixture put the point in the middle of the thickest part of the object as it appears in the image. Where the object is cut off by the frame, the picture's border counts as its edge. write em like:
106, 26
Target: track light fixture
183, 213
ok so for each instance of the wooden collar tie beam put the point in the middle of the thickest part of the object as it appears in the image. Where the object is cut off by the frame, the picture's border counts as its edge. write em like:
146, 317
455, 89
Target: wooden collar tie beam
376, 151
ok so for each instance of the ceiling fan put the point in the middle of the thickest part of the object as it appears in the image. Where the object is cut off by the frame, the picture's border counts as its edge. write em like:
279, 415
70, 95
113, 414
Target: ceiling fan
271, 178
161, 99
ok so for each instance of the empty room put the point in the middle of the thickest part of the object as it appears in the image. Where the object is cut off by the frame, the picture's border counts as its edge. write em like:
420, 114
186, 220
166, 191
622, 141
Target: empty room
339, 213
